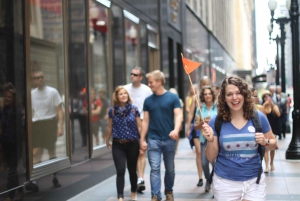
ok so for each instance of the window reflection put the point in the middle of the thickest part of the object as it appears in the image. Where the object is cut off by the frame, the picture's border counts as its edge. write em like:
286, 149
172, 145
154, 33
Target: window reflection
47, 65
13, 149
99, 44
132, 45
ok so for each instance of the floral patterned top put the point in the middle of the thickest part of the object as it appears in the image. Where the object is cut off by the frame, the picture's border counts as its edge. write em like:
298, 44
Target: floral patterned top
123, 122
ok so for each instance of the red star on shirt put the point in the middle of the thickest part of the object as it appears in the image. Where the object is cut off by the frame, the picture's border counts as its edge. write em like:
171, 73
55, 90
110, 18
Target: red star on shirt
228, 146
238, 145
247, 145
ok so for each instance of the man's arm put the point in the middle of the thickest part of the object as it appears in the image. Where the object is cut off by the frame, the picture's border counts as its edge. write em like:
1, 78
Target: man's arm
145, 125
178, 120
60, 114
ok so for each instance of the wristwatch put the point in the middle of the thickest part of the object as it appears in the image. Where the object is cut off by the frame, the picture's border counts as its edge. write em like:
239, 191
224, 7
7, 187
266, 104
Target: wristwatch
267, 142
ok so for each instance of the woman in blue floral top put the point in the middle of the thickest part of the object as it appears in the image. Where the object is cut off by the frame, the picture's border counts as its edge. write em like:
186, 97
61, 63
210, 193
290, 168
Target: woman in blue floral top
125, 124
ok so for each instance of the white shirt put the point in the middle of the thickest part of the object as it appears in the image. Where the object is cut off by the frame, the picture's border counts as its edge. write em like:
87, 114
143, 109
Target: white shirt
138, 95
44, 103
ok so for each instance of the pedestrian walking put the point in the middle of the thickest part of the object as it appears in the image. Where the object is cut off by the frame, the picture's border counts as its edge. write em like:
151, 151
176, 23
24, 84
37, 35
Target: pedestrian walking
208, 110
124, 124
161, 125
238, 169
138, 93
193, 134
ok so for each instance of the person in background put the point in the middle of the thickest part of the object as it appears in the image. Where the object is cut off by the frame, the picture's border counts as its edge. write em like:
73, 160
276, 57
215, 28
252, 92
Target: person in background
238, 161
138, 93
47, 123
124, 116
10, 141
194, 135
216, 89
104, 112
174, 91
281, 101
161, 125
289, 106
95, 111
208, 110
273, 113
189, 98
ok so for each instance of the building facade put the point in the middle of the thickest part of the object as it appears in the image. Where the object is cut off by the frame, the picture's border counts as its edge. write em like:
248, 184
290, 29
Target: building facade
84, 48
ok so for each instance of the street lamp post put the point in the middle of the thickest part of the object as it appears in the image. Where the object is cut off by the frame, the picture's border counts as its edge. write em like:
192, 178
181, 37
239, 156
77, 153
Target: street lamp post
281, 21
277, 40
293, 152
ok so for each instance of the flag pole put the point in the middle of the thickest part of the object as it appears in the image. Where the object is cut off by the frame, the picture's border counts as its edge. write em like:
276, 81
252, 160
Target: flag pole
197, 98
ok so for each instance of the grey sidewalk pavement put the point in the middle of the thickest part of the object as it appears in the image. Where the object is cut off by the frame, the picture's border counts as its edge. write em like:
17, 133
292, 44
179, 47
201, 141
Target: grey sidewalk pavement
282, 183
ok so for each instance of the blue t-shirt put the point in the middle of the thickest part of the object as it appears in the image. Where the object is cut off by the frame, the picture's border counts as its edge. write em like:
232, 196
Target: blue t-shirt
238, 159
125, 127
161, 114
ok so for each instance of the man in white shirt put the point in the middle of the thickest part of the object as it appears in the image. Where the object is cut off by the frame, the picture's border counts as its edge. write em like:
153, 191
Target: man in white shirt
138, 93
47, 123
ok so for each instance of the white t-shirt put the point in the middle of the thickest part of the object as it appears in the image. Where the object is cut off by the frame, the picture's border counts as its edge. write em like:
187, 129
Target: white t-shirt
138, 95
44, 103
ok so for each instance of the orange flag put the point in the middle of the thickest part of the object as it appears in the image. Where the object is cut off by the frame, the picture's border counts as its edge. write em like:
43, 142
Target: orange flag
189, 66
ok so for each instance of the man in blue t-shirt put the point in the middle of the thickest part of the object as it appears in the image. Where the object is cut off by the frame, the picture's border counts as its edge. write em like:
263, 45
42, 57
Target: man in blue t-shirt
161, 124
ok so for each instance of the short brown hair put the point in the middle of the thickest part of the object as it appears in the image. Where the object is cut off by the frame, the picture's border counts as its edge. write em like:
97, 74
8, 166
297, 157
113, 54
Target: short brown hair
248, 107
115, 96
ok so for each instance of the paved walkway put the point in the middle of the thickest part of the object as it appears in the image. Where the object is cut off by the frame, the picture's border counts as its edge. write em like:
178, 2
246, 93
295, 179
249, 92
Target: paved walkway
282, 183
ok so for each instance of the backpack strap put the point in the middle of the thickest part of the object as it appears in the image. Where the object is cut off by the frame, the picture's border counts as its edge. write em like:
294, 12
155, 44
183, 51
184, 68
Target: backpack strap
218, 125
258, 129
260, 148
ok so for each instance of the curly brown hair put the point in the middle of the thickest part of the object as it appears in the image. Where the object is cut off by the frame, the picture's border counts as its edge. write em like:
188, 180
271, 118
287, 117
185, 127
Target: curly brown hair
248, 107
211, 91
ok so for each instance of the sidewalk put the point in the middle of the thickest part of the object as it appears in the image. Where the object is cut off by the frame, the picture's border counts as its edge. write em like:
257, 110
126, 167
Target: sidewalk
282, 183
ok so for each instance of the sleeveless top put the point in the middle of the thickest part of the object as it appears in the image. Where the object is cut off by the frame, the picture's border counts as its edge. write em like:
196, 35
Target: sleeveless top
274, 122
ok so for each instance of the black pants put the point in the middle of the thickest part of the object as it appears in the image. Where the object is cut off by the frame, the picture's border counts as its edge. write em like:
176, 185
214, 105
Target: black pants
122, 153
10, 152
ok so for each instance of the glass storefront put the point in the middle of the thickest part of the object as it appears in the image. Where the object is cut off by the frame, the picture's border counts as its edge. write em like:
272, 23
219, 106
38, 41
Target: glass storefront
57, 79
197, 46
78, 84
100, 54
48, 81
13, 147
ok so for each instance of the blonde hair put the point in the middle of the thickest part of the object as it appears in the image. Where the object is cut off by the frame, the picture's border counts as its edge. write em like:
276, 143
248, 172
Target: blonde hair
115, 96
204, 81
157, 75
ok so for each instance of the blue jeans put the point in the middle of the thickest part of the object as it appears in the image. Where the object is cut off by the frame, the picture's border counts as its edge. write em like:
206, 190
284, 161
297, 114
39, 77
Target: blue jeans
167, 149
205, 161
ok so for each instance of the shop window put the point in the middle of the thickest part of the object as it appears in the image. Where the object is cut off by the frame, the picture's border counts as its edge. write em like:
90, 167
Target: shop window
48, 84
99, 46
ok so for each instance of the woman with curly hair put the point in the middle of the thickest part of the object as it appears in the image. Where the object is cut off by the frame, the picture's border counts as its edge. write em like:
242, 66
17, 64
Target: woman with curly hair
194, 135
238, 162
208, 110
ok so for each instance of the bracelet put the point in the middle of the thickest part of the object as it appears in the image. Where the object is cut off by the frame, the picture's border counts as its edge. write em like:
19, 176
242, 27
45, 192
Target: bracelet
211, 140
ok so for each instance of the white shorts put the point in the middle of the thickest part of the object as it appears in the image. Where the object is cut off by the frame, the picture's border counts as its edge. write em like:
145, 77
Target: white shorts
228, 190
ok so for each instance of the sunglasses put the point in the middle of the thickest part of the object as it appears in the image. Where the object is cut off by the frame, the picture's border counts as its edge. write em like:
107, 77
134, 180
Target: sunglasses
135, 75
39, 77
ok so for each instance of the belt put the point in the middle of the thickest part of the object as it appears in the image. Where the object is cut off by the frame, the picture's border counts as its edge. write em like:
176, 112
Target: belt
121, 141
